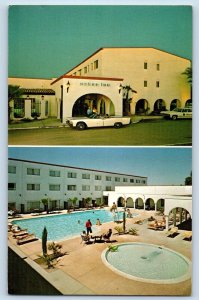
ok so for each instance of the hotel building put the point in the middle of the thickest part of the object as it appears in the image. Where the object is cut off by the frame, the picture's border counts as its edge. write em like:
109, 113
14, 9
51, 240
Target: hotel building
29, 182
103, 80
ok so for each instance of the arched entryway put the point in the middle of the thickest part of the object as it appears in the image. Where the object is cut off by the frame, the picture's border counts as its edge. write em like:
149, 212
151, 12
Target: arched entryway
120, 202
175, 103
102, 103
139, 203
181, 218
142, 106
188, 103
160, 205
129, 202
159, 105
149, 204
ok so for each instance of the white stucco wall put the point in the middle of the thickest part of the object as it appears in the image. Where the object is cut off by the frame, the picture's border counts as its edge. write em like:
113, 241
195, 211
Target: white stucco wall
128, 63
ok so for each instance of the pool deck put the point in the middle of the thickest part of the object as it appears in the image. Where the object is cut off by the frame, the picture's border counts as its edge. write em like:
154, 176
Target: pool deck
82, 271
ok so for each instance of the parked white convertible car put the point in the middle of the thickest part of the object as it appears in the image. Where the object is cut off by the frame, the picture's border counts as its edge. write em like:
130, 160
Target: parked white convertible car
99, 121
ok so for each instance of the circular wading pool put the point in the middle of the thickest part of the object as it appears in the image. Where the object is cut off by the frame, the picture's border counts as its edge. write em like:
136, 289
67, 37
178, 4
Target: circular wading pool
148, 263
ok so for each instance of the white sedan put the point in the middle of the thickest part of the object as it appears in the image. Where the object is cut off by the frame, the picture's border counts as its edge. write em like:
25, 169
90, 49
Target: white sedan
84, 123
178, 113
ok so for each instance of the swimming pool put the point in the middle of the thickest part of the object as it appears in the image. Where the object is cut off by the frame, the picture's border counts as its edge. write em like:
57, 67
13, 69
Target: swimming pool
148, 263
64, 226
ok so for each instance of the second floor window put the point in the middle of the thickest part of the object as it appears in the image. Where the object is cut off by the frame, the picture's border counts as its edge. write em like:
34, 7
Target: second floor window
71, 187
54, 187
108, 178
131, 180
157, 84
11, 186
117, 179
145, 83
31, 171
125, 179
33, 187
145, 65
98, 177
96, 64
85, 187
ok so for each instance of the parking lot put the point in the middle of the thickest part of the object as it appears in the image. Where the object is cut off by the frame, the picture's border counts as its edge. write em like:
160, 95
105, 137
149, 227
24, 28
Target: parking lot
145, 133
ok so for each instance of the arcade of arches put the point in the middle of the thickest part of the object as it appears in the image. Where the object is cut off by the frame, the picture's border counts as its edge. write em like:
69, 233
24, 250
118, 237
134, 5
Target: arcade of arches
178, 216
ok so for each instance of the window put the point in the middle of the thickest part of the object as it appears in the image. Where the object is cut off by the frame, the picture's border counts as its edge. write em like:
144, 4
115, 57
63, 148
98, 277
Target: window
12, 169
71, 187
117, 179
33, 187
145, 65
33, 171
108, 188
98, 188
143, 181
157, 84
108, 178
11, 186
85, 70
85, 187
72, 175
145, 83
98, 177
54, 173
137, 181
95, 64
92, 66
158, 67
85, 176
125, 179
131, 180
54, 187
80, 72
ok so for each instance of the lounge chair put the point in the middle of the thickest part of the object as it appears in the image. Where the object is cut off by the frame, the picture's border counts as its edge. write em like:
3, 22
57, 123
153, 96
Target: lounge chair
107, 235
155, 225
27, 239
187, 235
173, 232
20, 233
87, 239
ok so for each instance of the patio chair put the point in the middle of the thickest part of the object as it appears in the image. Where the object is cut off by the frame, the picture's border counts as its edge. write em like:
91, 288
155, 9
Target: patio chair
173, 232
107, 235
87, 239
27, 239
187, 235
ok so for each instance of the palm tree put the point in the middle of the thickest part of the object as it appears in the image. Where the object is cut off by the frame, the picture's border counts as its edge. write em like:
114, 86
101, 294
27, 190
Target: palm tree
45, 204
188, 73
126, 100
44, 241
73, 201
14, 91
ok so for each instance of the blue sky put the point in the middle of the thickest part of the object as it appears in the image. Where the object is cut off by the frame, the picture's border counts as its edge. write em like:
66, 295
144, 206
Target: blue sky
46, 41
162, 166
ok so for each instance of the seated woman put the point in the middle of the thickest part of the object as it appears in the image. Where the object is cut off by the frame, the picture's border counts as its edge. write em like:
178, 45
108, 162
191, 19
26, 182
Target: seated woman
87, 238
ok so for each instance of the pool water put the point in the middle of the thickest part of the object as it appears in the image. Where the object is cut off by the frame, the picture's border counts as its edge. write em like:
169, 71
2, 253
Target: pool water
65, 226
148, 263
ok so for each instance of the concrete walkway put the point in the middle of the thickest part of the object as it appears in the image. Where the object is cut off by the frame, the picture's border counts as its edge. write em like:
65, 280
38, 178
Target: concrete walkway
82, 271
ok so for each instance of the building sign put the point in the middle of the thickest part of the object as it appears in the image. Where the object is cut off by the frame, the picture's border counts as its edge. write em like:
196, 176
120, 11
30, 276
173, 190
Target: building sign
102, 84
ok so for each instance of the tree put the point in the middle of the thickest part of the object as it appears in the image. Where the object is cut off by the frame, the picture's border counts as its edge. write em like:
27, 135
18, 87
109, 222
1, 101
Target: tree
126, 99
44, 241
188, 180
45, 204
73, 201
14, 91
87, 201
188, 73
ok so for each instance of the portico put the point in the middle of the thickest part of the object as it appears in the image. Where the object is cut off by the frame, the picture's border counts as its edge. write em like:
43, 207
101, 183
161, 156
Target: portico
76, 93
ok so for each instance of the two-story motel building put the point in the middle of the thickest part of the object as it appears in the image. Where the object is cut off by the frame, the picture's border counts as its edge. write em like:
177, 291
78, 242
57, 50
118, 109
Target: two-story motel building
30, 181
154, 75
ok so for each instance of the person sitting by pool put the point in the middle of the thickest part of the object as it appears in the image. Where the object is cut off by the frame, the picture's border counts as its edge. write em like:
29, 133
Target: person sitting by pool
129, 214
98, 222
87, 238
107, 235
